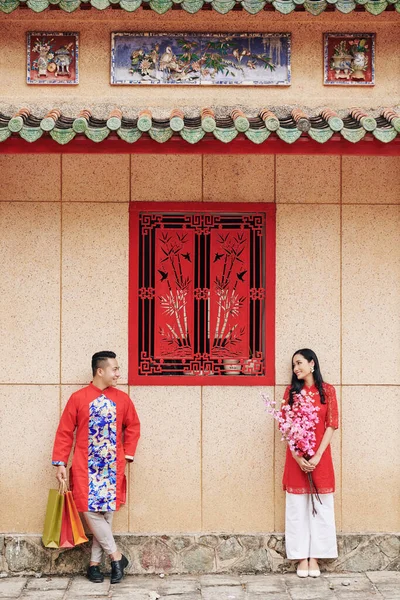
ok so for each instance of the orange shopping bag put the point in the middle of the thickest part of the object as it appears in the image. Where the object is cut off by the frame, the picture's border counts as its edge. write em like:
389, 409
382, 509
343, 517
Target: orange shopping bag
78, 532
66, 536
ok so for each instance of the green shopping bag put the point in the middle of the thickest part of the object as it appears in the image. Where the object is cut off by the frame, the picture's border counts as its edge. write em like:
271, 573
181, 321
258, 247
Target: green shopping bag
52, 523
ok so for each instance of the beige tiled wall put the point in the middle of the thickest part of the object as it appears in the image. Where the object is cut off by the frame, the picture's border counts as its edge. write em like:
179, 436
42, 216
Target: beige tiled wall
237, 460
207, 459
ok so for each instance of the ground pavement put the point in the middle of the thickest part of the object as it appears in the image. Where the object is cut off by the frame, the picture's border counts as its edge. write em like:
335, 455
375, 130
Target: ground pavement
375, 585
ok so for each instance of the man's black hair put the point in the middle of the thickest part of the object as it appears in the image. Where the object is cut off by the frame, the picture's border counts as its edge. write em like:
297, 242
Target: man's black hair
98, 359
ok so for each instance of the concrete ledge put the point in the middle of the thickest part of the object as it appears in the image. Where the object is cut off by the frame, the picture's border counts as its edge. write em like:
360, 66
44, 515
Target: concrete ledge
198, 553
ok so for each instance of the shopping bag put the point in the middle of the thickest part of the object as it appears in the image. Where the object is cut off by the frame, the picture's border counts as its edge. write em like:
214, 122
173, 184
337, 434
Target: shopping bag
76, 523
123, 491
66, 537
52, 523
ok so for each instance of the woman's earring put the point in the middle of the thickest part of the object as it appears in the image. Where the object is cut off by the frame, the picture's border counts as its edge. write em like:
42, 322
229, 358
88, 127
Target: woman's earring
312, 369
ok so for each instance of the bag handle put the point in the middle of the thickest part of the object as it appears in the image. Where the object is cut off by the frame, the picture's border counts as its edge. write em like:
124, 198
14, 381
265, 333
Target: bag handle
63, 487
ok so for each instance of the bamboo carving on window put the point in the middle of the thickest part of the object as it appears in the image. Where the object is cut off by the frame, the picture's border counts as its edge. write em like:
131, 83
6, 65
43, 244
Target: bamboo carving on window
197, 296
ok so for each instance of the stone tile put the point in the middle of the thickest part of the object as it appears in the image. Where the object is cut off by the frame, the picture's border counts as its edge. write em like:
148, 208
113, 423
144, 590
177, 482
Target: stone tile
165, 479
178, 585
309, 589
384, 577
308, 287
237, 460
379, 183
173, 177
371, 294
30, 178
350, 582
223, 592
371, 481
12, 587
125, 594
270, 584
30, 291
48, 583
193, 596
43, 594
389, 591
136, 584
94, 290
238, 178
267, 596
95, 178
307, 179
29, 417
82, 587
118, 594
345, 595
214, 580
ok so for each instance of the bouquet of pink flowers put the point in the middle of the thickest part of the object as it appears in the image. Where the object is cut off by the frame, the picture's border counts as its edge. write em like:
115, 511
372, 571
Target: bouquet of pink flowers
297, 426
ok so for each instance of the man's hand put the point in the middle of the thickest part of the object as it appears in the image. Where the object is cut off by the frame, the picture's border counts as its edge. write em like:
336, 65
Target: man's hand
61, 473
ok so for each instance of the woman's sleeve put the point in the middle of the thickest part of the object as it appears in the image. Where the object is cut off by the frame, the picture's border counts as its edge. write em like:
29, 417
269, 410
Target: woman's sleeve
286, 395
332, 413
131, 430
65, 433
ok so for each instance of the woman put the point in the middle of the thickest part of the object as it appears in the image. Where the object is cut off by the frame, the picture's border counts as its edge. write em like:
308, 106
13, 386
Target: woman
311, 537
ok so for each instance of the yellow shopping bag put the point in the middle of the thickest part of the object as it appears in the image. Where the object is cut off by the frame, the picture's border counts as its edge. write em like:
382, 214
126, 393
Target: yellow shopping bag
54, 512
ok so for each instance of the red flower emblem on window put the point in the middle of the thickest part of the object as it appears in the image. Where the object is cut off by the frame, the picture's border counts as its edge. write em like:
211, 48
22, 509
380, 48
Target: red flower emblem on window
257, 293
146, 293
202, 293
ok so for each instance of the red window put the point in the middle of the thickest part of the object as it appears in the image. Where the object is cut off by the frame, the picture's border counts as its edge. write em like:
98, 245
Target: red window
201, 294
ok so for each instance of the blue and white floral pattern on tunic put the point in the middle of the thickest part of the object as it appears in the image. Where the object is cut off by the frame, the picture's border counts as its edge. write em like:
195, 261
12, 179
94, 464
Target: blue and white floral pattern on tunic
102, 455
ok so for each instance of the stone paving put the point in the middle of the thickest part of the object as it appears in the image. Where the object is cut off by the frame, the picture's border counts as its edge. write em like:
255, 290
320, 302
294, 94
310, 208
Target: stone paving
372, 585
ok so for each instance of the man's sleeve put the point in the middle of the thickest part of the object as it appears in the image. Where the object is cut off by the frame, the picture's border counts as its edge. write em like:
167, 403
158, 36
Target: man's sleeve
65, 433
131, 431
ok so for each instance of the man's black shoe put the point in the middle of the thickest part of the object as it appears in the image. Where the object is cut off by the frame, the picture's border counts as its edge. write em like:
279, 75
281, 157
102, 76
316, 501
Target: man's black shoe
94, 574
117, 569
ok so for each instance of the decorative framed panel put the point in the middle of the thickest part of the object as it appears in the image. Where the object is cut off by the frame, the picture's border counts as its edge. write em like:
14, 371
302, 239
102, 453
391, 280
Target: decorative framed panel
53, 58
349, 59
202, 294
200, 59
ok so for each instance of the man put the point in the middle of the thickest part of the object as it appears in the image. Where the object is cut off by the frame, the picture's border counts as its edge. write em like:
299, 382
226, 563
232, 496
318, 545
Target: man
107, 432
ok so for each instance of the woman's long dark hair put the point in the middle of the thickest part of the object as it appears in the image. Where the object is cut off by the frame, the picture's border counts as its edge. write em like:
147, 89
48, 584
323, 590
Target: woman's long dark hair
298, 384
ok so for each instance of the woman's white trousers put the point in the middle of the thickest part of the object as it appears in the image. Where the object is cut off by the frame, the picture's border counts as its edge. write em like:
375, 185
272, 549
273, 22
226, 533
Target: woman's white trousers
309, 536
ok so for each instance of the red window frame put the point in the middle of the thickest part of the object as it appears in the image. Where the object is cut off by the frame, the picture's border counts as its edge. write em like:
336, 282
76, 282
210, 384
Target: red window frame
138, 294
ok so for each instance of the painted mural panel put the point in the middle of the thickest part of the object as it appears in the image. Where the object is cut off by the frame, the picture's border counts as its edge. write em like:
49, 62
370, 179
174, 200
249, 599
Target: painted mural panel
52, 58
200, 59
349, 59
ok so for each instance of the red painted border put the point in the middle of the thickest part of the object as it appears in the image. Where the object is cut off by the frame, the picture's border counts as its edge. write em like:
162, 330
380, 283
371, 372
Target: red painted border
269, 209
337, 145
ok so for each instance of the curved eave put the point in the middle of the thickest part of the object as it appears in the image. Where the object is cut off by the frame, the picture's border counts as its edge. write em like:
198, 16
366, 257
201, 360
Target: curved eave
80, 144
188, 133
315, 7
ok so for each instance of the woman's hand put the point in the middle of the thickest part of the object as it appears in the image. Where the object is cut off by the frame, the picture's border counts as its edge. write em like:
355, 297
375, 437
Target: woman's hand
314, 460
304, 464
61, 473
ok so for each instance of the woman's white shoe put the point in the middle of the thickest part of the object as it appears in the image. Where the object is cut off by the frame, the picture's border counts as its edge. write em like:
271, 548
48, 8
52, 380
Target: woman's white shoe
314, 572
302, 573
